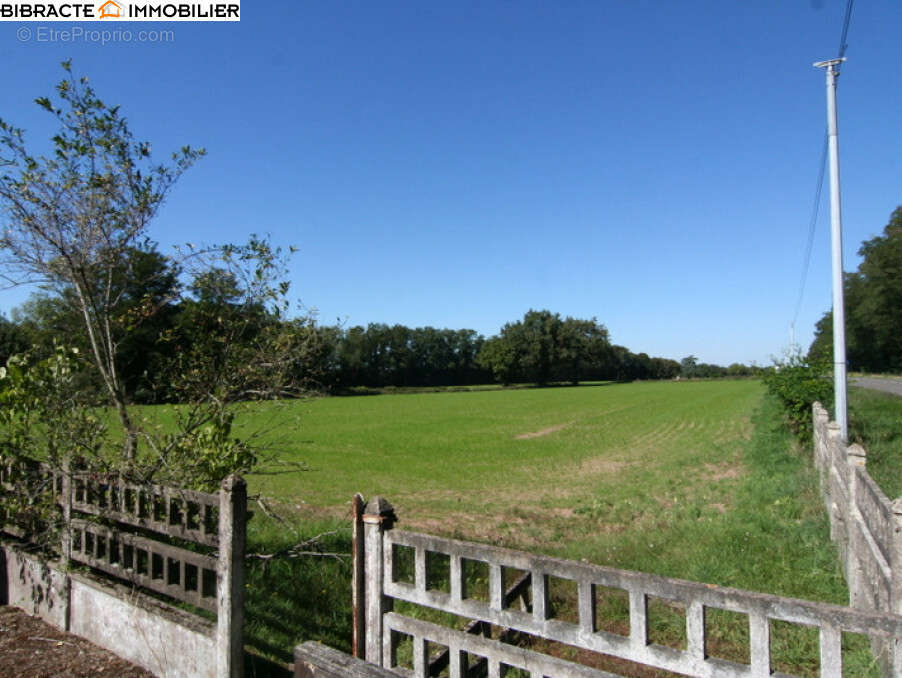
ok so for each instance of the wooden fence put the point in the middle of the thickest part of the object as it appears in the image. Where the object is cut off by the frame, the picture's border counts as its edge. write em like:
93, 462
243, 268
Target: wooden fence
521, 605
185, 545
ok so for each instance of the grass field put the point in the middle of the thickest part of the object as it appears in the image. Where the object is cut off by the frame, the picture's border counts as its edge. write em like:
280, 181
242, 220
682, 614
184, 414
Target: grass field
875, 420
451, 460
696, 480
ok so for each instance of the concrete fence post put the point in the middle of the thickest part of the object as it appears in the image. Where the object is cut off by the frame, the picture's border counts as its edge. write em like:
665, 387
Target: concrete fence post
378, 517
856, 459
66, 538
358, 579
896, 559
820, 418
856, 456
230, 578
834, 444
832, 455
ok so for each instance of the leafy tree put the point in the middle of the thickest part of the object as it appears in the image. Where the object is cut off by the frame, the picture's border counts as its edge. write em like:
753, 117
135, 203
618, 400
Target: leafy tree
873, 300
543, 348
73, 217
77, 222
13, 339
499, 356
689, 367
584, 348
664, 368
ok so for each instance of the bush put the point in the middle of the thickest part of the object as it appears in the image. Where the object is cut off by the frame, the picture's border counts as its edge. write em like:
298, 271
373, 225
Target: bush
798, 383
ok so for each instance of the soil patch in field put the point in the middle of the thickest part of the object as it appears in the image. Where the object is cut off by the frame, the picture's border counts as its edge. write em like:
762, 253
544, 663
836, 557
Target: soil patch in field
30, 648
603, 466
725, 471
543, 432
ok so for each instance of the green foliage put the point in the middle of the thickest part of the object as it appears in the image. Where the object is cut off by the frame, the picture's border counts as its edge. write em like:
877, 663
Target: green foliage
43, 410
873, 301
543, 347
200, 456
78, 223
43, 420
13, 339
74, 216
46, 416
688, 367
499, 357
798, 384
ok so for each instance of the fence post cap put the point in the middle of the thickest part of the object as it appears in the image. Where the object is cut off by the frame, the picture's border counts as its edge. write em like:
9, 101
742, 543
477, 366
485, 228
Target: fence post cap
378, 510
233, 482
856, 450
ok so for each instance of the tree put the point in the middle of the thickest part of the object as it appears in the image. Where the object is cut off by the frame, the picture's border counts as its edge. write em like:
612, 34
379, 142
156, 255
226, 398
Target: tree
78, 222
584, 348
873, 301
543, 348
498, 356
528, 348
689, 367
13, 339
73, 217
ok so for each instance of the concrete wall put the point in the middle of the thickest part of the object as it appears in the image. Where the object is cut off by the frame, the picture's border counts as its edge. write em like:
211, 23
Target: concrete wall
36, 587
865, 525
164, 640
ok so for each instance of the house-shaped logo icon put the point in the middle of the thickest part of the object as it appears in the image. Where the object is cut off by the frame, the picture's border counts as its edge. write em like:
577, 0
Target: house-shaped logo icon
110, 10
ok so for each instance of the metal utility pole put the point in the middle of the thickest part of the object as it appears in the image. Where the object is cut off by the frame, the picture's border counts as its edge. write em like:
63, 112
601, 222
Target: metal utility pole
839, 313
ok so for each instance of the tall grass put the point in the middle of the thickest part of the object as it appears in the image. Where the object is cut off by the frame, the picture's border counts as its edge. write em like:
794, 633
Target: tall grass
875, 420
290, 599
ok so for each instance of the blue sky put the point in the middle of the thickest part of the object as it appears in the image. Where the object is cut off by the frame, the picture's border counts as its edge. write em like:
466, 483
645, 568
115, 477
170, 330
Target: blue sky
650, 163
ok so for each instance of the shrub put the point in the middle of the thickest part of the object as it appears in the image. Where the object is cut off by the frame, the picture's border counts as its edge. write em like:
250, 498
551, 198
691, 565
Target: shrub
798, 383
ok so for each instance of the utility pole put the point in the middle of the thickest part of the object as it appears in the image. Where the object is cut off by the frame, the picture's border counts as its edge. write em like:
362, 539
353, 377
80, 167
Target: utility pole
839, 313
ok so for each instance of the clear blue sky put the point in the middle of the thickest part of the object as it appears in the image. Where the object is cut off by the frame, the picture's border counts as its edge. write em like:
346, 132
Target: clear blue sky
649, 163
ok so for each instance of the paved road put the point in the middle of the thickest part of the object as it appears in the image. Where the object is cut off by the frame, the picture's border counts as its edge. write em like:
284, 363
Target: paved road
888, 385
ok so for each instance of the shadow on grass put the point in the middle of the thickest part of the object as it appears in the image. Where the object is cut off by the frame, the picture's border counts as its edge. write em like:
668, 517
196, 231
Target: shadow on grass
413, 390
293, 599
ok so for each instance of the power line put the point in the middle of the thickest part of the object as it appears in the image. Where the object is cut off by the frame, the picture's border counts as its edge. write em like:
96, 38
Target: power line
845, 33
812, 223
815, 211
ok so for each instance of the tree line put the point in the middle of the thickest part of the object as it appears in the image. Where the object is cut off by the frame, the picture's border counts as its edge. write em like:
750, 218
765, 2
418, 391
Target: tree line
873, 302
166, 324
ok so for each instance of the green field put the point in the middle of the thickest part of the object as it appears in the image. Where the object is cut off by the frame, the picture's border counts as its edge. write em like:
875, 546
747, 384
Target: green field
875, 421
697, 480
490, 464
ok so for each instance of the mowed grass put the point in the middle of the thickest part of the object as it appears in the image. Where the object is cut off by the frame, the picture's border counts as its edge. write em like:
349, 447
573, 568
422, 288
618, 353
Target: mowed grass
486, 464
696, 480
